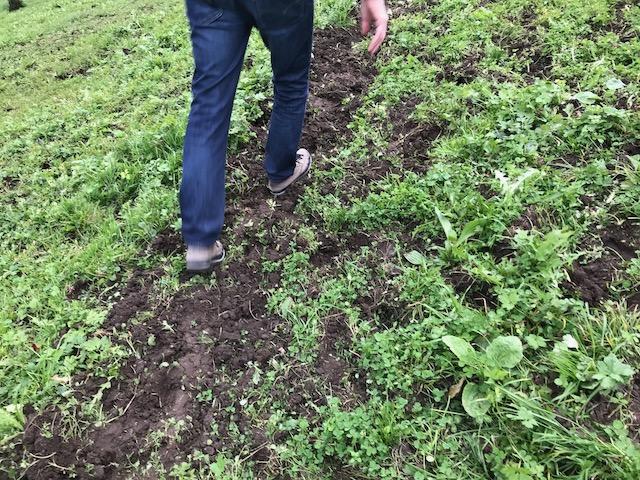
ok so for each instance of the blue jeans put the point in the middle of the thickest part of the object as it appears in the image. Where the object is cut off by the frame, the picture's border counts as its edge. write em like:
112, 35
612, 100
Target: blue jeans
219, 34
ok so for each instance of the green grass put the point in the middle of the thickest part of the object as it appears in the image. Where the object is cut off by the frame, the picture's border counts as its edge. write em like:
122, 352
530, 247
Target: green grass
95, 97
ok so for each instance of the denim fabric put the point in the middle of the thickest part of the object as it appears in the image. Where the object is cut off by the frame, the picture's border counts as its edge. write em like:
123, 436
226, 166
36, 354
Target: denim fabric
219, 34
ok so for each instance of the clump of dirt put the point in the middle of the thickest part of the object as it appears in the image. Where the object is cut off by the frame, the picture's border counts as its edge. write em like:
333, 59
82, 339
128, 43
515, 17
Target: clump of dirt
331, 247
384, 312
401, 8
381, 304
337, 336
337, 373
530, 219
464, 72
79, 287
411, 140
632, 148
502, 249
168, 242
633, 301
486, 190
134, 298
128, 301
627, 102
78, 72
528, 45
475, 291
9, 182
591, 281
602, 411
540, 65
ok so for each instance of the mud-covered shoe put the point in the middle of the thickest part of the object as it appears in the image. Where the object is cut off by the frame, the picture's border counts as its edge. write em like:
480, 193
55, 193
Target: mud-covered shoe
202, 259
303, 164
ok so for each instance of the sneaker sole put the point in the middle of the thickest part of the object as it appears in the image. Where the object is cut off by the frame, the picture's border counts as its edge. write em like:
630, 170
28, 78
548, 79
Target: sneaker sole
300, 177
205, 267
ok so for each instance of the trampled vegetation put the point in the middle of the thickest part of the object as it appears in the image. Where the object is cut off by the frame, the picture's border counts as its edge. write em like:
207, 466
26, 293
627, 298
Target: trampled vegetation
452, 295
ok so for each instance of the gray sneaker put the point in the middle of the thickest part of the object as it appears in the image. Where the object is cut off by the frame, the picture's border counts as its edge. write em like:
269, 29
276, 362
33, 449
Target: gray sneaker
202, 259
303, 164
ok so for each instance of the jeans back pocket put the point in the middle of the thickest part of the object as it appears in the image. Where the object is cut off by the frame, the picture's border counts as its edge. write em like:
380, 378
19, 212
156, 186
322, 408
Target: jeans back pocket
202, 12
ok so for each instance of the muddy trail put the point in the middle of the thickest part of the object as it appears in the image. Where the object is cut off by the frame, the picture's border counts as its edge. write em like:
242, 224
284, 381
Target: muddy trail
197, 356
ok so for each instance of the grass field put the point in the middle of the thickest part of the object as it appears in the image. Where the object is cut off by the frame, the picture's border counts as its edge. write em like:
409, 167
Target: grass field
453, 294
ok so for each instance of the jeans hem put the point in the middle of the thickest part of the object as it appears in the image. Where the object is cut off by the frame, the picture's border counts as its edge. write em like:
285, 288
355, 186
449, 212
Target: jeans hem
200, 243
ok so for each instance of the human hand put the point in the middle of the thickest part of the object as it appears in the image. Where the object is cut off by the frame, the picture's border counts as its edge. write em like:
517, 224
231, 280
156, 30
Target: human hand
374, 14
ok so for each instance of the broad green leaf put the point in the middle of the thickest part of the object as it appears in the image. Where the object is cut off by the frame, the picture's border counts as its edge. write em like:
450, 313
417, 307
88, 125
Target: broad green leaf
525, 416
612, 372
586, 98
615, 84
446, 226
509, 187
517, 185
471, 228
286, 308
504, 352
474, 402
535, 341
460, 348
414, 257
219, 467
508, 297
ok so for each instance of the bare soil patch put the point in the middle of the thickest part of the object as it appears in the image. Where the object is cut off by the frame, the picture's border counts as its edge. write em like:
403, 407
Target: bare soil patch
339, 76
478, 293
591, 281
463, 72
411, 140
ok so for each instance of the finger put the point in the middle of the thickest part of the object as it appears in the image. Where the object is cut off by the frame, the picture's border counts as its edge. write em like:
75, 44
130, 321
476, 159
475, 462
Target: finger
378, 38
365, 20
365, 26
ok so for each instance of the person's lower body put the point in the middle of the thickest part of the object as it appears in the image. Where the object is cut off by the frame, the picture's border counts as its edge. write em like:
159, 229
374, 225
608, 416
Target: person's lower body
220, 31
